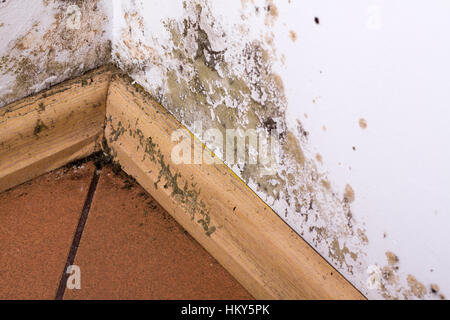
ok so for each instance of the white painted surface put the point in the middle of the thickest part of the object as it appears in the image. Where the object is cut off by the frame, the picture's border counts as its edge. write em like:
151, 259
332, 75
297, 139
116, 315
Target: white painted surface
397, 77
46, 42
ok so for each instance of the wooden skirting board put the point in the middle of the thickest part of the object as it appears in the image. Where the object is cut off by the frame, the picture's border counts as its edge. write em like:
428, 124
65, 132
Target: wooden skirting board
46, 131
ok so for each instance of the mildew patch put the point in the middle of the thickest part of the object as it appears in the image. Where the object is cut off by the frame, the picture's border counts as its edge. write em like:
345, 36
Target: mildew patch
40, 126
319, 158
349, 194
74, 42
392, 258
416, 288
393, 285
339, 253
362, 123
434, 288
293, 35
136, 57
272, 13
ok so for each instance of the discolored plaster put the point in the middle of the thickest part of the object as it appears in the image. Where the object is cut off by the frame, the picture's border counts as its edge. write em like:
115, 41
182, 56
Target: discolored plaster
53, 49
363, 123
293, 35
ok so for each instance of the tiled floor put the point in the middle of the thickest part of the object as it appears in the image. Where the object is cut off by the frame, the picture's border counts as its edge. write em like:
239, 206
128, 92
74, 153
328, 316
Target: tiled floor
130, 247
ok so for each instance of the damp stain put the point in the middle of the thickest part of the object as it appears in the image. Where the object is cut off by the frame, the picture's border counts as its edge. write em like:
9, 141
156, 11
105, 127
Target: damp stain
271, 13
349, 194
396, 285
293, 35
362, 123
340, 253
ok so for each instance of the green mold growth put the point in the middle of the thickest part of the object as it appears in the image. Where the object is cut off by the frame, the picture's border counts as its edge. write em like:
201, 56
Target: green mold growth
186, 194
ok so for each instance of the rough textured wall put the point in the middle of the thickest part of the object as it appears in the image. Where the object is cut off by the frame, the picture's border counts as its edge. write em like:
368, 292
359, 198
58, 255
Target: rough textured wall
259, 64
47, 41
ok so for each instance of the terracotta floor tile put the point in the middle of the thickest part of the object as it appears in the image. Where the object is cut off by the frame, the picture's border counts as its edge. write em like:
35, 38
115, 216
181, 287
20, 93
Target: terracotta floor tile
37, 223
132, 249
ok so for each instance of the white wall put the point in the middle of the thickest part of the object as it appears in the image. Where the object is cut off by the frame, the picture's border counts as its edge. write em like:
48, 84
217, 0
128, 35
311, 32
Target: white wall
44, 42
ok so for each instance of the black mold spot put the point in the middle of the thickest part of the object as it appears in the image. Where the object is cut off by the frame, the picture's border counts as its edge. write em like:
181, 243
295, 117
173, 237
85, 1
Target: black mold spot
39, 127
270, 124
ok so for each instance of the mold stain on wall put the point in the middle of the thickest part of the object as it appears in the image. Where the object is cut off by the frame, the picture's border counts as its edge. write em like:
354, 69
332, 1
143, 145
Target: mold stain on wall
392, 286
42, 57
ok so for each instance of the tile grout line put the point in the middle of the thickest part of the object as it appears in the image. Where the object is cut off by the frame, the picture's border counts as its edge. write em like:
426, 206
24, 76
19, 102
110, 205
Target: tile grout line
78, 233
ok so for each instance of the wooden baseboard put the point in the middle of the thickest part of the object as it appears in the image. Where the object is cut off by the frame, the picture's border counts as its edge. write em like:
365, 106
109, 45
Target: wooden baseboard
46, 131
